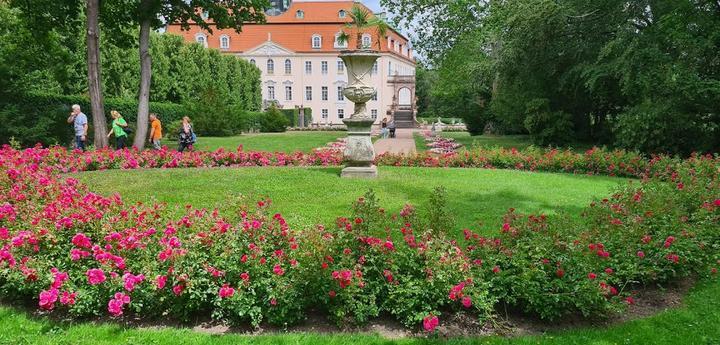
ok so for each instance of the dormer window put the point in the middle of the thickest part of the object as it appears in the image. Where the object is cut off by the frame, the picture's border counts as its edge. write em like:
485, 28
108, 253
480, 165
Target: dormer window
366, 41
316, 41
205, 15
299, 14
202, 39
342, 14
339, 43
224, 42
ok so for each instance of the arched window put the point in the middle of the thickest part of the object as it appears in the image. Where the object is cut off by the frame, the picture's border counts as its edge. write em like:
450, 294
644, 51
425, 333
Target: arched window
316, 41
288, 66
299, 14
224, 42
270, 66
202, 39
338, 43
252, 61
366, 41
342, 14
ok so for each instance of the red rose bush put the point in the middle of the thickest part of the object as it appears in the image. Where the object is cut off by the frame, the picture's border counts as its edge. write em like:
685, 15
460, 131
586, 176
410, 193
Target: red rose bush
71, 250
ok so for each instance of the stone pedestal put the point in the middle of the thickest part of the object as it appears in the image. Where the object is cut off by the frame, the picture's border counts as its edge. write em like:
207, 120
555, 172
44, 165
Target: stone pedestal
359, 152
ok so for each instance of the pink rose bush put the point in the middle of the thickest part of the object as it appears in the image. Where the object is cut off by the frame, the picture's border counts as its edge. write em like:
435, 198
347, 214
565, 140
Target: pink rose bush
72, 250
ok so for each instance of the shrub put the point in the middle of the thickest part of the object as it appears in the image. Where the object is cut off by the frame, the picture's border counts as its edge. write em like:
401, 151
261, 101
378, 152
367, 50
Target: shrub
91, 255
673, 129
42, 118
273, 121
293, 116
546, 127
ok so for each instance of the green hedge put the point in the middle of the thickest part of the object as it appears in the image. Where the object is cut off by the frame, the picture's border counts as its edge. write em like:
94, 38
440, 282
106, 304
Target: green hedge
293, 116
42, 118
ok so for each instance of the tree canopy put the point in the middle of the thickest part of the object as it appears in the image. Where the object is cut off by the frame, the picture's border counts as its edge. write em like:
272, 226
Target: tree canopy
642, 75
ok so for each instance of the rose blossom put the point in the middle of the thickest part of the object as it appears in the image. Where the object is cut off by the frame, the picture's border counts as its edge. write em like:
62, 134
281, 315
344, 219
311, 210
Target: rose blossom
95, 276
430, 322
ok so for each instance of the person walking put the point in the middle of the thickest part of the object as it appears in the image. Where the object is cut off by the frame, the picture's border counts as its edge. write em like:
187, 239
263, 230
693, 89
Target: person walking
80, 126
391, 127
119, 125
383, 128
187, 136
155, 131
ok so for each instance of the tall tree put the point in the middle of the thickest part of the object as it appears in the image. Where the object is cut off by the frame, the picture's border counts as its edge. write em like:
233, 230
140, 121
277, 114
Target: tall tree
152, 14
94, 77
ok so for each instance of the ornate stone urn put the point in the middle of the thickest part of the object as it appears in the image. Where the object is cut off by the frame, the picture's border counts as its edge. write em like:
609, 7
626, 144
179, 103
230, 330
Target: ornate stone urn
359, 152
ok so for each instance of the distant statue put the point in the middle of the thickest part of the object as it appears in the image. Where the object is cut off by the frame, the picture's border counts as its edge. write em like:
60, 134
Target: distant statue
438, 126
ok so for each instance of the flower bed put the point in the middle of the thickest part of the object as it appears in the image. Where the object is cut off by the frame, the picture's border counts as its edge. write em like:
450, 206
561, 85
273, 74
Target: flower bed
337, 146
72, 250
438, 144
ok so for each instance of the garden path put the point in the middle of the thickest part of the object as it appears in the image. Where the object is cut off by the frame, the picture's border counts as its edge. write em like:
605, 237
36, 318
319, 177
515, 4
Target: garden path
403, 143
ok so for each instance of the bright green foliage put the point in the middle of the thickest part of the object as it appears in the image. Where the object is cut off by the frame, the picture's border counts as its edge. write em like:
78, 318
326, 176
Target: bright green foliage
273, 121
639, 75
41, 118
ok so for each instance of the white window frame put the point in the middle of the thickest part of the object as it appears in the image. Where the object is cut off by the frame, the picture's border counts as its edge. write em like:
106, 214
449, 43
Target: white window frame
342, 14
366, 41
375, 68
316, 41
202, 36
308, 67
270, 65
271, 92
341, 114
324, 67
374, 114
288, 93
337, 43
324, 113
340, 96
288, 66
308, 93
324, 93
224, 42
340, 66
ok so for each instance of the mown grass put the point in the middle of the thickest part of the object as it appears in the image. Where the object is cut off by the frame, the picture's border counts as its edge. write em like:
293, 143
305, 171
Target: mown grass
694, 323
468, 141
318, 194
308, 196
272, 142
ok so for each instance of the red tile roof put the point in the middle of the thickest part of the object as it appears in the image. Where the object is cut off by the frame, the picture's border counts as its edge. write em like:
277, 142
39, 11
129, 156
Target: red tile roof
320, 17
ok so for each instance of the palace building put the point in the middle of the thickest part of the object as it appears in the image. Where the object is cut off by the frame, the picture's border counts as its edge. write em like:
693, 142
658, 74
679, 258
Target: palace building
298, 51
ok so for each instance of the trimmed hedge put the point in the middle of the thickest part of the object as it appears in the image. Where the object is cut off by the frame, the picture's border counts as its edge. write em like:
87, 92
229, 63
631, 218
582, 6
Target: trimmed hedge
42, 118
293, 116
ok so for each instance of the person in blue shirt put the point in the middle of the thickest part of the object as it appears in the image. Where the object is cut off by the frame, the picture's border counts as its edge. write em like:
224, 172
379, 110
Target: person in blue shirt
80, 126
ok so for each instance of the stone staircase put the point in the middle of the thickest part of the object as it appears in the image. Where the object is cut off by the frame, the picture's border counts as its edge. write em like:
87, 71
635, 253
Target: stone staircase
404, 119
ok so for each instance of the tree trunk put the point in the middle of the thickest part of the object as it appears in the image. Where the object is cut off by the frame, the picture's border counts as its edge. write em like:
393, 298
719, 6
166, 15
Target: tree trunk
94, 81
145, 79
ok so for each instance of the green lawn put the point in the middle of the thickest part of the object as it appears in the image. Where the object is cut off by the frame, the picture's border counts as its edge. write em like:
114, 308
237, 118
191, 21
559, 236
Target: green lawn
694, 323
308, 196
507, 141
272, 142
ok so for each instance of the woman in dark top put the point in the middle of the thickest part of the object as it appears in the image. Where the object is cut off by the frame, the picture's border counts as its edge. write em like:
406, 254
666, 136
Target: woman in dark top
187, 136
